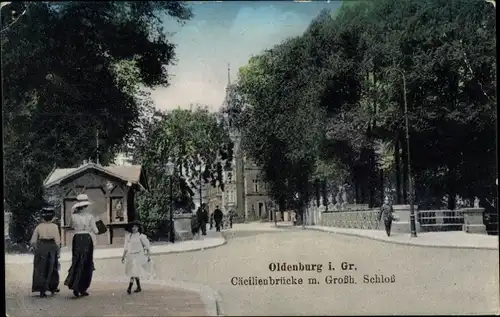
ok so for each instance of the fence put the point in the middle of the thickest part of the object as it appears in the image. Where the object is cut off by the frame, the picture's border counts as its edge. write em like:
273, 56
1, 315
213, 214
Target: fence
440, 220
364, 219
430, 220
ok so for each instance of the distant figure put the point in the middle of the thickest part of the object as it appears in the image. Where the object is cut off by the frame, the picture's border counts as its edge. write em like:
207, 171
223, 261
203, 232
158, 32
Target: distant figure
202, 215
206, 218
386, 211
46, 242
231, 219
211, 220
195, 225
218, 215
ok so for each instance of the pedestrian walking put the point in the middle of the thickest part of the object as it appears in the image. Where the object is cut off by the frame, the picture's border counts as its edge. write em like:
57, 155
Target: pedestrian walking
231, 219
82, 247
46, 244
136, 256
202, 215
387, 213
218, 215
211, 220
195, 226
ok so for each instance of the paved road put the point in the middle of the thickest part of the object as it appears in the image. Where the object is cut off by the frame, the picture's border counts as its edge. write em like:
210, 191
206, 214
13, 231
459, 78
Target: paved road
427, 280
107, 299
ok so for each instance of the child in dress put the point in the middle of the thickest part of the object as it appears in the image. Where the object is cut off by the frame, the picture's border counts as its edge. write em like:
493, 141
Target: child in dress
136, 256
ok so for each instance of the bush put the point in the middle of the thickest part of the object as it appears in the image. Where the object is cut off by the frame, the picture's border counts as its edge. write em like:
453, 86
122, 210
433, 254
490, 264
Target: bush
12, 247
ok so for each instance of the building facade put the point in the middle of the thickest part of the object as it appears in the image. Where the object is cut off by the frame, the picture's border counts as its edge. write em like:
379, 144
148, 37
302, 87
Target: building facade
244, 190
256, 201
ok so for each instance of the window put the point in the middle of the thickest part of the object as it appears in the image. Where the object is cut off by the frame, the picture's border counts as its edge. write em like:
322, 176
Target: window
255, 185
117, 211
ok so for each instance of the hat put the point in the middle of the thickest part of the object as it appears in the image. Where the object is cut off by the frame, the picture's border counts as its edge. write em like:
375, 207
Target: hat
133, 223
83, 200
48, 211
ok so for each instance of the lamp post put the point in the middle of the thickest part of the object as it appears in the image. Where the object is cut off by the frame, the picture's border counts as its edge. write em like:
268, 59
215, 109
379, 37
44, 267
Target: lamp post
413, 227
200, 190
169, 169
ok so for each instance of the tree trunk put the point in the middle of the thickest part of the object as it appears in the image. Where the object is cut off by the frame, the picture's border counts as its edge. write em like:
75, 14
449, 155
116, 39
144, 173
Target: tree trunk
363, 191
281, 205
356, 190
397, 159
324, 193
372, 181
452, 203
317, 192
382, 194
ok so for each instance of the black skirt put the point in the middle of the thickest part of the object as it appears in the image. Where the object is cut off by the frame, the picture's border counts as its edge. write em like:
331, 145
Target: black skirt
82, 263
45, 267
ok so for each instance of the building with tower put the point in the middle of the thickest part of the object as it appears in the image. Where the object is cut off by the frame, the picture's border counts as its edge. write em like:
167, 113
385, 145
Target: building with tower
245, 192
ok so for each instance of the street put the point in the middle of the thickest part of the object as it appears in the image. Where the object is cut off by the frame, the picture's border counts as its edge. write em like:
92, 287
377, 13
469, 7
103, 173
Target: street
425, 280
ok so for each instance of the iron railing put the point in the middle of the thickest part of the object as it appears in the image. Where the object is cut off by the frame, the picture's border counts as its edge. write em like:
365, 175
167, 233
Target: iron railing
440, 220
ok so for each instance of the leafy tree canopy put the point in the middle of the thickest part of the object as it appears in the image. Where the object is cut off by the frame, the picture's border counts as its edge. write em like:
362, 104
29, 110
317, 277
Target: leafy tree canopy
336, 93
200, 148
69, 69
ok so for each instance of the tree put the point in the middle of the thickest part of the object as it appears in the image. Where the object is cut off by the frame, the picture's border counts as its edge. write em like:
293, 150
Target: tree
199, 146
277, 111
343, 70
67, 72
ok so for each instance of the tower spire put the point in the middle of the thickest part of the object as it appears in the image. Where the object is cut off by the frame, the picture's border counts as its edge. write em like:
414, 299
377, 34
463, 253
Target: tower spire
228, 75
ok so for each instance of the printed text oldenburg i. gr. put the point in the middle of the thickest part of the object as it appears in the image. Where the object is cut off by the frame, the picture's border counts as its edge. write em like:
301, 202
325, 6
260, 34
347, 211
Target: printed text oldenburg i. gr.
308, 267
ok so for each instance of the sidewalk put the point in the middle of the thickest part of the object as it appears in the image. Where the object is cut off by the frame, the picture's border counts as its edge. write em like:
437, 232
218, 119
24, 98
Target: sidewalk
108, 299
449, 239
212, 240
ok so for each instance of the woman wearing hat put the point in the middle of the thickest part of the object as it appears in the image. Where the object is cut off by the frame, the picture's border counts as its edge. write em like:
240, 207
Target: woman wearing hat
82, 247
46, 242
136, 256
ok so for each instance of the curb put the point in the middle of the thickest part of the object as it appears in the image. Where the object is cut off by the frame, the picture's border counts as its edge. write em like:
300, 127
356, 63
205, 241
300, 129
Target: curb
210, 298
223, 242
402, 242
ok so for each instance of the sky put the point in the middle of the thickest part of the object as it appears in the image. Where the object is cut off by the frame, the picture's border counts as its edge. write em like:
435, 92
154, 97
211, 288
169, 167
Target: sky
222, 33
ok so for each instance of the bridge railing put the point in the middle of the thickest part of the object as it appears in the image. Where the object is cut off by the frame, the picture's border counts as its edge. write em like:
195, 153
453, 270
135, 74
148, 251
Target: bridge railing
362, 217
440, 220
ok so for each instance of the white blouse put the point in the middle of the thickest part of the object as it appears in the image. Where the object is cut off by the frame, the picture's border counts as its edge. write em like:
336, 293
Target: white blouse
46, 231
84, 223
136, 242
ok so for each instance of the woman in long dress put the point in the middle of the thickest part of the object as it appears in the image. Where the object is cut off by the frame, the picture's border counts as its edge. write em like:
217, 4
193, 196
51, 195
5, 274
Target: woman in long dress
82, 262
136, 256
46, 242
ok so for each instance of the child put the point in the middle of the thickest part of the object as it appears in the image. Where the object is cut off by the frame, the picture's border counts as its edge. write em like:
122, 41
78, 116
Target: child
136, 256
